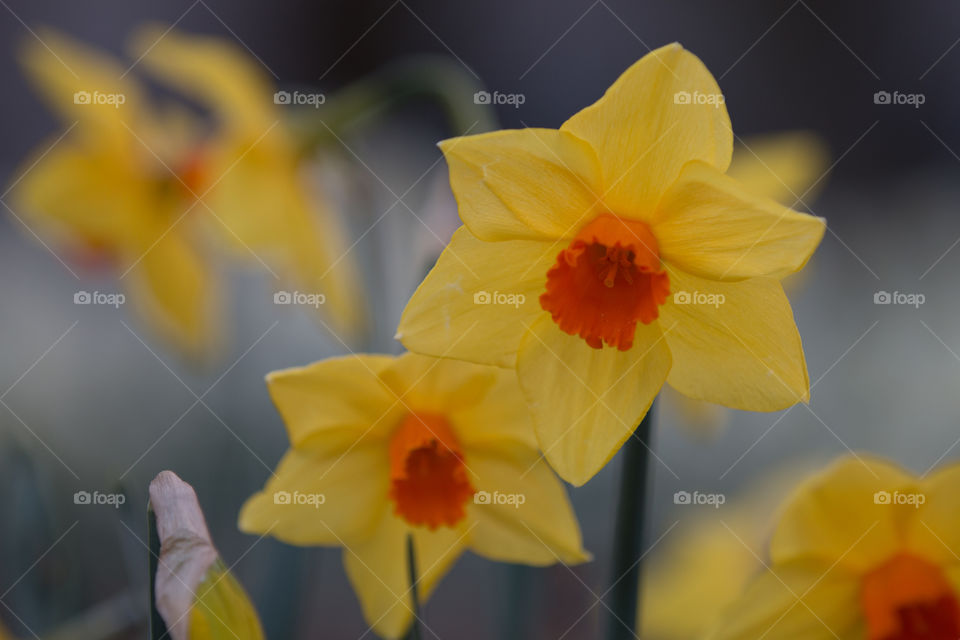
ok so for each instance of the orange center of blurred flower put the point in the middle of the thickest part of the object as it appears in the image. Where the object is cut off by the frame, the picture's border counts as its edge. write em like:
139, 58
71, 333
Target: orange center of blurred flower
908, 598
607, 279
429, 484
192, 173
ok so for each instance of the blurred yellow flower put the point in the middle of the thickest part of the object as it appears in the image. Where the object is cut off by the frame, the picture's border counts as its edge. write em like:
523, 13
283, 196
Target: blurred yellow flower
576, 238
862, 550
148, 188
389, 447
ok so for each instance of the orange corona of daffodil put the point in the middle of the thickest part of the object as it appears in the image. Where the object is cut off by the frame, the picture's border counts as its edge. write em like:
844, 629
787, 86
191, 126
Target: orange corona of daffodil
150, 189
613, 255
863, 551
383, 448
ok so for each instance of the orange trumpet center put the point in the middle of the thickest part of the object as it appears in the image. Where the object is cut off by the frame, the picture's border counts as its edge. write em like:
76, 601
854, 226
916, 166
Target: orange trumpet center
908, 598
429, 485
607, 279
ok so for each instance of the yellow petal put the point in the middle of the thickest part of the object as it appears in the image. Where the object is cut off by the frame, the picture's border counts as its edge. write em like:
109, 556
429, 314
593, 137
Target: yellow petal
329, 404
438, 385
710, 225
500, 415
222, 610
379, 572
803, 600
174, 290
835, 517
644, 133
528, 518
212, 69
84, 86
316, 499
734, 343
523, 184
475, 303
586, 402
782, 166
933, 532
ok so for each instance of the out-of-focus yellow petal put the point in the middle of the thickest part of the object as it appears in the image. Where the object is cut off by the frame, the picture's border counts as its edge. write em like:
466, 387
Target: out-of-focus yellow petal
836, 515
521, 510
469, 306
586, 402
771, 607
317, 499
708, 224
523, 184
438, 385
934, 532
222, 610
174, 288
734, 343
84, 86
213, 69
195, 594
662, 112
331, 403
380, 575
500, 415
84, 198
784, 166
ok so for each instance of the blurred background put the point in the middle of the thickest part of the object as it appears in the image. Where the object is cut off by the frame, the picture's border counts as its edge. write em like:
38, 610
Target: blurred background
93, 401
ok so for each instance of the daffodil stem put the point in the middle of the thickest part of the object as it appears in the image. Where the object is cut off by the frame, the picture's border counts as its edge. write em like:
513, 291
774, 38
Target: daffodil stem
628, 536
414, 633
157, 627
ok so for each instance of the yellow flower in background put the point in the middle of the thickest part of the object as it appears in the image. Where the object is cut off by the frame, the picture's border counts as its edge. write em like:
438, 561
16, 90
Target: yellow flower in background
150, 189
862, 550
385, 447
613, 255
709, 555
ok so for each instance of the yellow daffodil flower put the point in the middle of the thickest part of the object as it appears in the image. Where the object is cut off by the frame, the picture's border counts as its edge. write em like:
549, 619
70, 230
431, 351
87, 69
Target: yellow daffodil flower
389, 447
148, 189
863, 550
613, 255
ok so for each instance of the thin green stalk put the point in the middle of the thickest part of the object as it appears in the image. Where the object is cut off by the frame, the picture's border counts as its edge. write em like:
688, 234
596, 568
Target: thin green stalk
158, 629
414, 633
628, 536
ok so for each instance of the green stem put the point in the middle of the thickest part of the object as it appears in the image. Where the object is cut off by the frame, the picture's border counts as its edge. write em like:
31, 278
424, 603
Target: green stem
414, 633
158, 629
628, 536
420, 77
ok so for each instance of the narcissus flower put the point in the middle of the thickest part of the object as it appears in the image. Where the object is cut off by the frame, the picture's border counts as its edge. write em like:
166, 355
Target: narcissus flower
613, 255
864, 550
384, 448
150, 190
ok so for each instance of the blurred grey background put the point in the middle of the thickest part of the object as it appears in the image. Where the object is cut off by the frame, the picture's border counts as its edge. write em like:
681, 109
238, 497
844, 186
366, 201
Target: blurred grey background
88, 406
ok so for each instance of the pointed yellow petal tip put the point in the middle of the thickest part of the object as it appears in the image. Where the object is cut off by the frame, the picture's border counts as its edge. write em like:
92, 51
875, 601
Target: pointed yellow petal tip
398, 336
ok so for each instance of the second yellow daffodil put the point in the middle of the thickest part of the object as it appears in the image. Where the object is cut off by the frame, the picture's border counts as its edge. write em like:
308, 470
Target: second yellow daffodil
608, 257
383, 448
